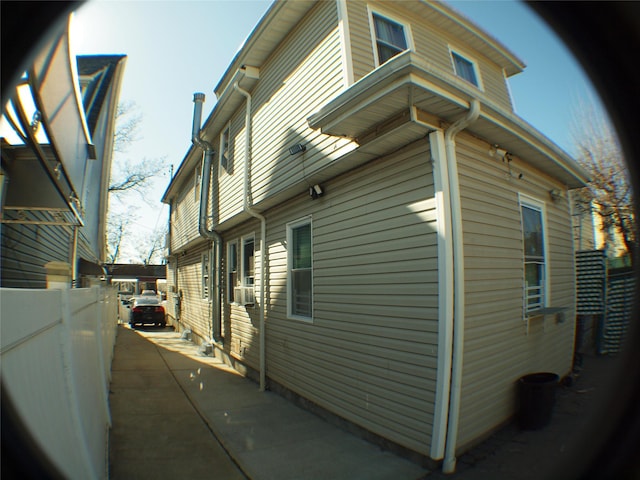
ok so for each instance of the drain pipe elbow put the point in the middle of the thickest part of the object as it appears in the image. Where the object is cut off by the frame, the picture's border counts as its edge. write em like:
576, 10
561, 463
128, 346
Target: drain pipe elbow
197, 141
449, 463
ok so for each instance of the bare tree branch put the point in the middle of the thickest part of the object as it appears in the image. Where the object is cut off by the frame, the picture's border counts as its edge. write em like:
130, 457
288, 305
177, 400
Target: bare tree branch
135, 177
610, 192
117, 228
127, 126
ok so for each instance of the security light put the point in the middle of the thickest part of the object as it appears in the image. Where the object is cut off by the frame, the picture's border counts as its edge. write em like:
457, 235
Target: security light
316, 191
297, 148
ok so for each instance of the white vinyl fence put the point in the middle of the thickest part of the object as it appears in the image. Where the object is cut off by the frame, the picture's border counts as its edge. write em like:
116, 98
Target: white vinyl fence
56, 349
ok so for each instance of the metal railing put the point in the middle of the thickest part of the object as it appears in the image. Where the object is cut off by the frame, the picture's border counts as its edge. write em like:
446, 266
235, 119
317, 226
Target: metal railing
56, 350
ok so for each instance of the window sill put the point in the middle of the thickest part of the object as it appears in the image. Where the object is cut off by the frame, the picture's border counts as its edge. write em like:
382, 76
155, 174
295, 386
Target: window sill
543, 313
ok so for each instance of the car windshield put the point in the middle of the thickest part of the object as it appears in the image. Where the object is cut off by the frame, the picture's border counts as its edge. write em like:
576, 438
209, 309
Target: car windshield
147, 301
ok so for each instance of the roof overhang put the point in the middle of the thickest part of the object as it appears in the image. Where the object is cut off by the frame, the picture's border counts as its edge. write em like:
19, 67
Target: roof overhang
411, 93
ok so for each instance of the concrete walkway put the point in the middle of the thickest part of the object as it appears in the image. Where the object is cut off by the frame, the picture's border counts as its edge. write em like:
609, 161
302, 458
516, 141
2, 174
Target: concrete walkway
178, 414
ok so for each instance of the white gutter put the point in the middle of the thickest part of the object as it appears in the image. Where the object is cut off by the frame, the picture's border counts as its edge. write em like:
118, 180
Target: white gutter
198, 100
449, 463
263, 228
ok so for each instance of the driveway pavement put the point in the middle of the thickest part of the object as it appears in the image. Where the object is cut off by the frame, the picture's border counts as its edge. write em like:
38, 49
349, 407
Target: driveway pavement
179, 414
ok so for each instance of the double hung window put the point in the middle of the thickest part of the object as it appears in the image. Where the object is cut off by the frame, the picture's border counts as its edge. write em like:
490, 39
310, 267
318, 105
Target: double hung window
300, 270
232, 269
205, 269
390, 37
248, 262
225, 149
465, 68
535, 255
240, 267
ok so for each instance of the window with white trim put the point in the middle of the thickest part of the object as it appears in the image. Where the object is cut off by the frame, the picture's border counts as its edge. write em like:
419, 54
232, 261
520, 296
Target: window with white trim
232, 269
205, 270
225, 150
465, 68
532, 214
390, 37
300, 270
248, 261
240, 266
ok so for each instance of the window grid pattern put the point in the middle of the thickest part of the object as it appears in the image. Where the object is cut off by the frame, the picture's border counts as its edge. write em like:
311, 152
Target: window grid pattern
534, 257
464, 68
300, 271
390, 38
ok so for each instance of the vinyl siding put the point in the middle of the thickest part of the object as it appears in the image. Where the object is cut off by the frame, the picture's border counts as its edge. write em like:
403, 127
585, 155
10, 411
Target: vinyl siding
195, 311
370, 353
497, 349
185, 213
302, 74
27, 248
240, 323
430, 42
230, 182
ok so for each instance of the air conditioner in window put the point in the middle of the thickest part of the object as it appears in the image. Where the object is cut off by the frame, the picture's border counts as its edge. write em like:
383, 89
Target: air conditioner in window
244, 295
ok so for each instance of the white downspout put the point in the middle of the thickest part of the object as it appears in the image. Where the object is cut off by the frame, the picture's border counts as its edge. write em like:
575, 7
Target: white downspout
449, 463
445, 292
263, 229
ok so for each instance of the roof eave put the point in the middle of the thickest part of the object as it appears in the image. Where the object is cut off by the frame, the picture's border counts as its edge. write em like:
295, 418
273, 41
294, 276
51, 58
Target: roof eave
407, 71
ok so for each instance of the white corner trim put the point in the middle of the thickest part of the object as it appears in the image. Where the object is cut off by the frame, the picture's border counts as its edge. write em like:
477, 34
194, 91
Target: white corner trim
345, 43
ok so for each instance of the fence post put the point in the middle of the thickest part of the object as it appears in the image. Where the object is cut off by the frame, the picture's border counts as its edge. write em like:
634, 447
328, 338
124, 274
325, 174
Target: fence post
72, 391
104, 383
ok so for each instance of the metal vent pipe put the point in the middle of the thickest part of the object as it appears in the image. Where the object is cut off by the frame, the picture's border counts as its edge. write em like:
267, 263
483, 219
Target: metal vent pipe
210, 234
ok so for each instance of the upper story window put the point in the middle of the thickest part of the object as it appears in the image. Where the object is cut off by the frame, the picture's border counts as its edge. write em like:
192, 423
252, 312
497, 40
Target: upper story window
535, 256
225, 150
465, 68
391, 37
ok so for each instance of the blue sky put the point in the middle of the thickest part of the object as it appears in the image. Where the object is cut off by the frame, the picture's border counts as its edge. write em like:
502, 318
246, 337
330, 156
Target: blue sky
176, 48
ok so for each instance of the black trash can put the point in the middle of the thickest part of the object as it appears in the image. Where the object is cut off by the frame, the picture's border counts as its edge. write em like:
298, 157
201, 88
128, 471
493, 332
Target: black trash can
536, 395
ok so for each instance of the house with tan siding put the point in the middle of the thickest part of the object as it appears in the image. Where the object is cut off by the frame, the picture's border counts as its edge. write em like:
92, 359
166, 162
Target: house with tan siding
364, 222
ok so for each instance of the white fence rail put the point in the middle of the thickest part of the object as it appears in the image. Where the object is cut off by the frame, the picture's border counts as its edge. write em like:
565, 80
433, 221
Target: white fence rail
56, 349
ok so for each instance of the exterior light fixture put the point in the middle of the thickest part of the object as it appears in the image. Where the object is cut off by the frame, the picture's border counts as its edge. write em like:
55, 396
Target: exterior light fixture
555, 195
316, 191
297, 148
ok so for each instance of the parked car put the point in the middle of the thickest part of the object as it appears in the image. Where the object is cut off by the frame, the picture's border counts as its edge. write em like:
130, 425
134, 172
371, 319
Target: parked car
147, 310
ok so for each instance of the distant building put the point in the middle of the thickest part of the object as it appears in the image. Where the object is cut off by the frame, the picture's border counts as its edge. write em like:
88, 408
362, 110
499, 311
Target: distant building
133, 278
372, 227
56, 165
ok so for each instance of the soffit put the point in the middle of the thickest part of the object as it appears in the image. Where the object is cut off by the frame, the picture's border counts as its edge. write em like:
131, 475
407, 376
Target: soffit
406, 84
